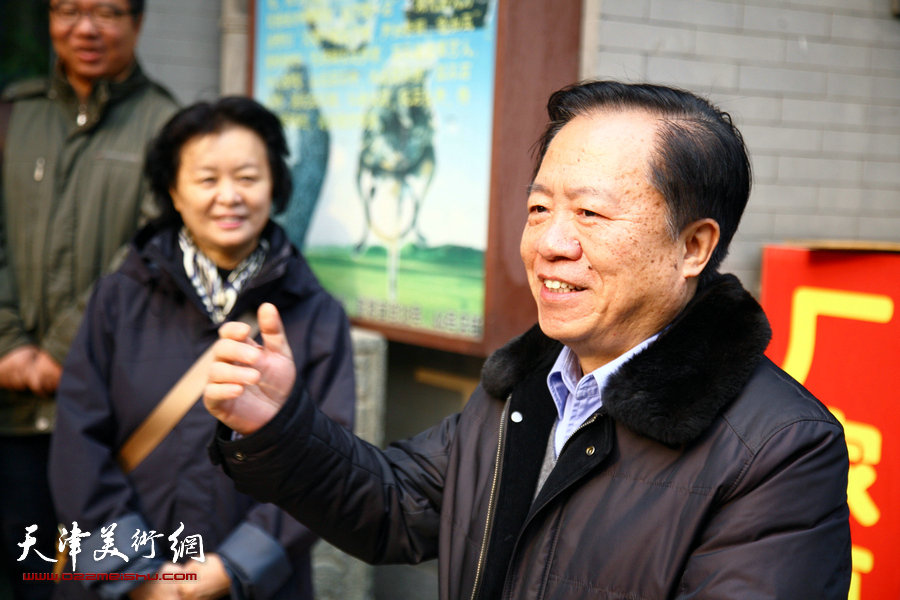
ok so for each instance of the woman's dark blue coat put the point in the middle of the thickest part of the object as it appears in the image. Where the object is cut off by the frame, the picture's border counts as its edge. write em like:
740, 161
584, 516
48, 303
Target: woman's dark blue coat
144, 327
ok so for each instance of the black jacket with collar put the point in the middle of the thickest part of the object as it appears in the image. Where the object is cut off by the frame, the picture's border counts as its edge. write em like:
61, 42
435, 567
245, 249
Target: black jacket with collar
708, 473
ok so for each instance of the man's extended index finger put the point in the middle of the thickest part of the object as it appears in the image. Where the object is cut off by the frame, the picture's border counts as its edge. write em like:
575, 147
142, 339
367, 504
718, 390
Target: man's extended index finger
272, 330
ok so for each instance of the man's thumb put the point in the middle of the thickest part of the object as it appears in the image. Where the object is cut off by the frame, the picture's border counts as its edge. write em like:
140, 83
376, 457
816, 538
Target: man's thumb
272, 330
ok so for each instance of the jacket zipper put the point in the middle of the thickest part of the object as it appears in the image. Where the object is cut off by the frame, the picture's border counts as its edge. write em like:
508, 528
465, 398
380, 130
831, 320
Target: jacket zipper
600, 411
489, 520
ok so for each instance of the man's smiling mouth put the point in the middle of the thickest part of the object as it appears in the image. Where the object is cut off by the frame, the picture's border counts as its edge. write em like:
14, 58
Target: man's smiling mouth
560, 287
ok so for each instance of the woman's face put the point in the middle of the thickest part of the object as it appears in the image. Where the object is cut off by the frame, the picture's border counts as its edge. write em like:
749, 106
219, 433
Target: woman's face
223, 191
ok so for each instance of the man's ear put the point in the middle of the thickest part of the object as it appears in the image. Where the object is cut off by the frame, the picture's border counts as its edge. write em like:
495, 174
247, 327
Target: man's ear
699, 239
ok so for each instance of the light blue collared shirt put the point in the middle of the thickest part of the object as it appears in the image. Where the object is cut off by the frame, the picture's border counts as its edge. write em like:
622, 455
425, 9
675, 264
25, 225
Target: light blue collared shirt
576, 397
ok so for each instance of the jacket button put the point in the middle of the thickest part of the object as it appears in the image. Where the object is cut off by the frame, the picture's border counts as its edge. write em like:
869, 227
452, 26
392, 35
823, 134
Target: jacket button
239, 456
589, 450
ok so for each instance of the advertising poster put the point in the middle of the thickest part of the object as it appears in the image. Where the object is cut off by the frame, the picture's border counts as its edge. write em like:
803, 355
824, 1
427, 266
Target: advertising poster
388, 108
836, 329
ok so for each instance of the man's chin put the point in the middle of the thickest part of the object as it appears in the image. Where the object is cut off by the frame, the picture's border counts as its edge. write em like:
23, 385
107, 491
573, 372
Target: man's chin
560, 330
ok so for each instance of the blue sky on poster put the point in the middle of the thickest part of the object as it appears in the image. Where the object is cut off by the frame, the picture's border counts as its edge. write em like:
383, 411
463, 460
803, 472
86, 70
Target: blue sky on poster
460, 88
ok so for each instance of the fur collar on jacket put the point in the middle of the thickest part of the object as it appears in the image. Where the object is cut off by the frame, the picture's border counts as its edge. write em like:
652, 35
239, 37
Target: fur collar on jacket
672, 391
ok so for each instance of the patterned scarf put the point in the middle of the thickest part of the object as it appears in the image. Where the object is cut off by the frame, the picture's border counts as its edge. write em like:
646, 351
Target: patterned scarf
218, 294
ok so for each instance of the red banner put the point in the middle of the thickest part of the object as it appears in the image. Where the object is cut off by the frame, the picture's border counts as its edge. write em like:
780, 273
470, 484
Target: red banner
835, 318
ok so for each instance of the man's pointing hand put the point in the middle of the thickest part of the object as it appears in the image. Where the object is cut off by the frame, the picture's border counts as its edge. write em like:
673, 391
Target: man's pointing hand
249, 383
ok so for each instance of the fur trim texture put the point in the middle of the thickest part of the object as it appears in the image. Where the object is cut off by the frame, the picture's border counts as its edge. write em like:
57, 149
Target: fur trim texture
674, 389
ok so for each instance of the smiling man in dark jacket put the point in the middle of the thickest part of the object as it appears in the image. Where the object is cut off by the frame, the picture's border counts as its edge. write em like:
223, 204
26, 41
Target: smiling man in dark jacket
635, 444
71, 196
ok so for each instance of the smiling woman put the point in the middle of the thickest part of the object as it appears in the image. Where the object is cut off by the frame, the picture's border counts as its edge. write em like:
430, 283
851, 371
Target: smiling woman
224, 193
217, 169
218, 172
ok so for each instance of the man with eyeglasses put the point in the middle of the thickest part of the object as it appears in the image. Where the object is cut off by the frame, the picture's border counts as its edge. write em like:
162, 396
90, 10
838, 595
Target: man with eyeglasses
72, 195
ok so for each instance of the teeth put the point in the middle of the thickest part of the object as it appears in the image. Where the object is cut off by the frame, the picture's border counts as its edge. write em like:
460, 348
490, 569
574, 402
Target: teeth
558, 286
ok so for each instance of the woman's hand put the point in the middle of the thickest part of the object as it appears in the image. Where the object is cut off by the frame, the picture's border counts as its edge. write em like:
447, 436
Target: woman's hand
212, 579
161, 589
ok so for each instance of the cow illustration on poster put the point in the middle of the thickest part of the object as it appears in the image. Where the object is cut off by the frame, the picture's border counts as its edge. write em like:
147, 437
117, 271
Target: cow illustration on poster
396, 166
389, 111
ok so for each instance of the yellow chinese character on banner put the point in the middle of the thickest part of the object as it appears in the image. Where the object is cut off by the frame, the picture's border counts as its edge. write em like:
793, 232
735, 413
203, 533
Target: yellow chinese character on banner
863, 561
810, 303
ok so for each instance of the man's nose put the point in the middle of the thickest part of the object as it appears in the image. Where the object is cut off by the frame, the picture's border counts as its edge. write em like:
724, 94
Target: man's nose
560, 239
84, 24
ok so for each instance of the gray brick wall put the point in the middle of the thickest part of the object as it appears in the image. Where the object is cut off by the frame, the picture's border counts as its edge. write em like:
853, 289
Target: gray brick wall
813, 84
180, 46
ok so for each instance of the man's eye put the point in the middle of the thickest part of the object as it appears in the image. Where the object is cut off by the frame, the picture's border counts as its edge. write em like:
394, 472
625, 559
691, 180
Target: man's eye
66, 10
537, 208
106, 12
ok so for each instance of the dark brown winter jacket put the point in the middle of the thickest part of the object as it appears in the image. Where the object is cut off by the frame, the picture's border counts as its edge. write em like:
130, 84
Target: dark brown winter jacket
708, 473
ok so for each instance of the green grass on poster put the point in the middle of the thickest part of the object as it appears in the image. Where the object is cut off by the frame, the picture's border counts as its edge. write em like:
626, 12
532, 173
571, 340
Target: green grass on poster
439, 289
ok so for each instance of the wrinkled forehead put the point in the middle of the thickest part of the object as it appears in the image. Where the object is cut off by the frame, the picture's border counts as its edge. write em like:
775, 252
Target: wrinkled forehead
605, 142
639, 127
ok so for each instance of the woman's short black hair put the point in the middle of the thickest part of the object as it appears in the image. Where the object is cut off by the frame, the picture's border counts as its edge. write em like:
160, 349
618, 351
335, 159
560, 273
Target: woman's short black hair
164, 153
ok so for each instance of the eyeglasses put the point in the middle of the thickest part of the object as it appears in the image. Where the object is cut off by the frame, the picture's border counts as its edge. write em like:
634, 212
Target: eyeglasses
101, 15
